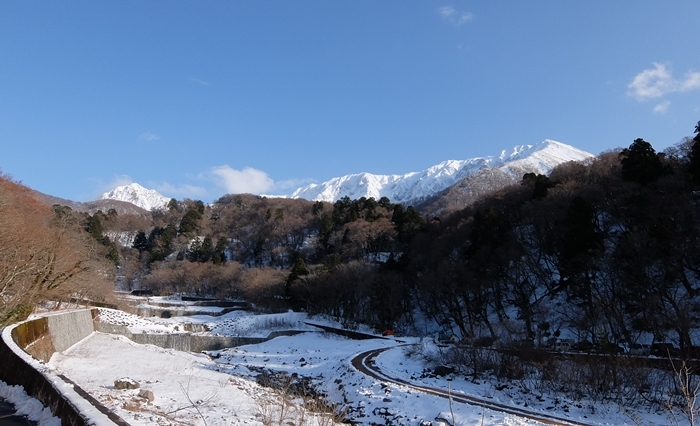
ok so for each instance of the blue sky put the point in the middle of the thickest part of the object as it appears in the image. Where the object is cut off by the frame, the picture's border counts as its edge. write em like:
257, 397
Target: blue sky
200, 99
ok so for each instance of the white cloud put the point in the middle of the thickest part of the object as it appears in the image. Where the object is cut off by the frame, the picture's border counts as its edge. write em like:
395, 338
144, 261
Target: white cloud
180, 191
148, 137
290, 185
659, 81
455, 17
166, 189
248, 180
691, 82
662, 107
101, 187
120, 180
198, 81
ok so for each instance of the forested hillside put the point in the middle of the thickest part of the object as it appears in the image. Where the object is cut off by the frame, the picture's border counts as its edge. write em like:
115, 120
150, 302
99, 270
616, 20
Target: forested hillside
602, 252
605, 250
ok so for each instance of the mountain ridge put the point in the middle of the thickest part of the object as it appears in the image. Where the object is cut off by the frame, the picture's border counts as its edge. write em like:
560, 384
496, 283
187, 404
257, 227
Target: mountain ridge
413, 187
465, 179
90, 207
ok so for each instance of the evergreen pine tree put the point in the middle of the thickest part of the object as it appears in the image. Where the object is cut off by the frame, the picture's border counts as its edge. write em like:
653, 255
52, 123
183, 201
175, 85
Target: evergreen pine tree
188, 224
194, 251
94, 226
219, 255
206, 250
541, 184
694, 156
298, 270
199, 206
141, 242
641, 164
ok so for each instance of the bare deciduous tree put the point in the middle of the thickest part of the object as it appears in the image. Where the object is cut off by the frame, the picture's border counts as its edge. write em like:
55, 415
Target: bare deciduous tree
43, 255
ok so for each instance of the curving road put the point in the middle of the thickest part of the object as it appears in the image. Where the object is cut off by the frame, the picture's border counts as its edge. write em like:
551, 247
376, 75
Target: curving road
365, 363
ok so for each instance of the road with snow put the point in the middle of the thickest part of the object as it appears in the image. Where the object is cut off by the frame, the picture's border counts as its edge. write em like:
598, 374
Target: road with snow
365, 363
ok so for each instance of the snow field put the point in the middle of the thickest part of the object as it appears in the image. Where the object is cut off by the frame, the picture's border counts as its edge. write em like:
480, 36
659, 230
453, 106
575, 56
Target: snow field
222, 387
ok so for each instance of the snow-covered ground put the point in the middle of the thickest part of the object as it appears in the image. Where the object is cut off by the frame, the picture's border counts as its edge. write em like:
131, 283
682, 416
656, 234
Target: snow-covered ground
27, 406
222, 387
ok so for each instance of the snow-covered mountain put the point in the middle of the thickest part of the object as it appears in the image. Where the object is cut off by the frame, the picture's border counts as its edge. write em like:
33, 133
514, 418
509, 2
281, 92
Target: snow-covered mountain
473, 176
147, 199
412, 187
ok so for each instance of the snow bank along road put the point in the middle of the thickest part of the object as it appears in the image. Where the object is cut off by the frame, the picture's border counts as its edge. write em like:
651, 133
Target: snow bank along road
365, 363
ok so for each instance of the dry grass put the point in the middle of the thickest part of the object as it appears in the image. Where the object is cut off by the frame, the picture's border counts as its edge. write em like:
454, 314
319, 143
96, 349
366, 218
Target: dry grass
293, 402
282, 410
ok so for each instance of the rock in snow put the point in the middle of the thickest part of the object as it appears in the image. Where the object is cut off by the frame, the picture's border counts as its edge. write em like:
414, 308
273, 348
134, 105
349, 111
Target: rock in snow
126, 383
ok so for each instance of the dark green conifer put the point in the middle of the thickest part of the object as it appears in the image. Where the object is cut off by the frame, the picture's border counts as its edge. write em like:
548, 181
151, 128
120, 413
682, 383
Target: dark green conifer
641, 164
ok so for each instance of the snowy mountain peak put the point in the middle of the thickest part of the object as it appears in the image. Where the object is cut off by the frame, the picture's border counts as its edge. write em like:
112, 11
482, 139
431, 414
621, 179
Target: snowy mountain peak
540, 158
136, 194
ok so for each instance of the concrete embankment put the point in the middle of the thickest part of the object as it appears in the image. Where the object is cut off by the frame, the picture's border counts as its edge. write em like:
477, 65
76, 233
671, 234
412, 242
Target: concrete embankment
194, 306
170, 311
41, 337
187, 342
27, 346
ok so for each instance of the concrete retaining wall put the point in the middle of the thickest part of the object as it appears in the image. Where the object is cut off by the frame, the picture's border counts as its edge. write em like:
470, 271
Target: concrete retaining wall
171, 311
42, 337
15, 371
185, 341
68, 329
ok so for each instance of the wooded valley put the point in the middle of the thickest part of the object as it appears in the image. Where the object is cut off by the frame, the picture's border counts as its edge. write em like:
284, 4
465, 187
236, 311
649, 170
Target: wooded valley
603, 252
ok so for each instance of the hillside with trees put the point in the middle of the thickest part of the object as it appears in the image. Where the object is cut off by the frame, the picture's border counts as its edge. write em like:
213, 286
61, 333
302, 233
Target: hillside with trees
46, 255
602, 252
